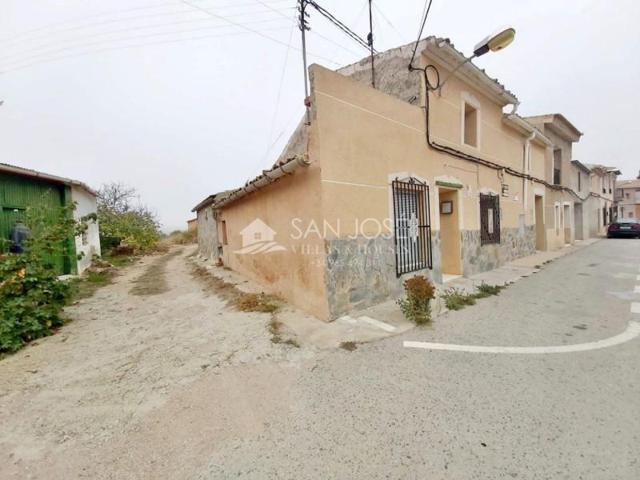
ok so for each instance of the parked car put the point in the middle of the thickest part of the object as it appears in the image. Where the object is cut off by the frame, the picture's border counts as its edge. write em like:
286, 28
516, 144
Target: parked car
624, 227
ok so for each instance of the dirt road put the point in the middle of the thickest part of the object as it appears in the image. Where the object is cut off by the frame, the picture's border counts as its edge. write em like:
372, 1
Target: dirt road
153, 372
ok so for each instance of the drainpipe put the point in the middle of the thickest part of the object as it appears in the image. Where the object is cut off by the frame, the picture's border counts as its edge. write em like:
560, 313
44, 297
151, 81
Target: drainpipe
525, 169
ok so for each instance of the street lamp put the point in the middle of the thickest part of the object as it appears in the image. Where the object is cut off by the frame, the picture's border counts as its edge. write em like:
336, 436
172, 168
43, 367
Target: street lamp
492, 43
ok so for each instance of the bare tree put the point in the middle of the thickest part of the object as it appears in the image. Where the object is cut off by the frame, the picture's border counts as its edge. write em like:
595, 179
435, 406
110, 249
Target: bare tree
117, 197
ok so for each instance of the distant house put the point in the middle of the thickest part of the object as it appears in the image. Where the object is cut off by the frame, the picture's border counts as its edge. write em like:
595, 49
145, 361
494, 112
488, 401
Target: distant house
21, 188
627, 198
192, 225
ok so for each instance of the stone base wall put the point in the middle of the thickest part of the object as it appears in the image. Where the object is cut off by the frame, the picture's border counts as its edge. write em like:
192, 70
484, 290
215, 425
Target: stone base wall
361, 272
207, 234
514, 243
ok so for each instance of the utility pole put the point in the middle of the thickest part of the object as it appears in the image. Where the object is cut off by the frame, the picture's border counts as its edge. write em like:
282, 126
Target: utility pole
304, 26
370, 42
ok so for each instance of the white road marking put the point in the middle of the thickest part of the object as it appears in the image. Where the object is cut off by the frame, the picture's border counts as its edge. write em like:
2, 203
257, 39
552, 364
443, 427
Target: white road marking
637, 289
369, 321
635, 307
632, 331
377, 323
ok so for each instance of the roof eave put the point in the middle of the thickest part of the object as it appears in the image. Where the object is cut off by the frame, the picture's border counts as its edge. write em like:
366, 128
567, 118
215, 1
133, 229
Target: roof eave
521, 125
448, 56
26, 172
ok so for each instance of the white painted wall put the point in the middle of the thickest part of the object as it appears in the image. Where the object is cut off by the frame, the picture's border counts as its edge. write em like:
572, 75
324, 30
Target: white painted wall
85, 204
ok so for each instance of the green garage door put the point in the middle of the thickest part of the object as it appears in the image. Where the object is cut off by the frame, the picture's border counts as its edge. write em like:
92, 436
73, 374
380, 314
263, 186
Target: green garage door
17, 194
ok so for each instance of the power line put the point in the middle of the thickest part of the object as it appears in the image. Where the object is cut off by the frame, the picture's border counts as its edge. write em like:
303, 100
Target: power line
122, 47
386, 19
339, 24
280, 42
39, 50
327, 39
279, 95
15, 38
427, 8
356, 20
118, 47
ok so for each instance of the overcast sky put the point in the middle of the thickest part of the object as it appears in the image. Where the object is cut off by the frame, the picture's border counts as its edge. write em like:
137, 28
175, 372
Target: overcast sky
181, 104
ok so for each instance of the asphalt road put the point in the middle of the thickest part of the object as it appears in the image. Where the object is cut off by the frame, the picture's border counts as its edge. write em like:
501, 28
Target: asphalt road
386, 411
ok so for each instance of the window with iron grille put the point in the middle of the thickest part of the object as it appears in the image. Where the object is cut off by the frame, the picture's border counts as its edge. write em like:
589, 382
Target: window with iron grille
412, 226
489, 219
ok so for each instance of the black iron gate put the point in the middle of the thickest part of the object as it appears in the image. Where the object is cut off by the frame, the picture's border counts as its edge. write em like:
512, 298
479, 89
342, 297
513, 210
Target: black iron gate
412, 225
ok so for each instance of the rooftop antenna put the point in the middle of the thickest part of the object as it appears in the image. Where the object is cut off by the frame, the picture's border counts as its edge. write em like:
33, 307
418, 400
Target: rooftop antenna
370, 43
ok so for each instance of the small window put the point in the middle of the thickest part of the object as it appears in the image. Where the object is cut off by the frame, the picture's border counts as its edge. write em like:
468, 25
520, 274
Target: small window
557, 166
489, 219
470, 133
630, 215
223, 225
257, 236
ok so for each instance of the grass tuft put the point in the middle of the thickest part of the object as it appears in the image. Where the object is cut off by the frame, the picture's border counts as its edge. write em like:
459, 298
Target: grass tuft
257, 302
349, 346
153, 281
485, 290
456, 299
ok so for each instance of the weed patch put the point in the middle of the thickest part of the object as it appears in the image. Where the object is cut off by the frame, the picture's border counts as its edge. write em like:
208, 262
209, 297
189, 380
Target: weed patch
257, 302
153, 281
456, 299
90, 282
247, 302
485, 290
349, 346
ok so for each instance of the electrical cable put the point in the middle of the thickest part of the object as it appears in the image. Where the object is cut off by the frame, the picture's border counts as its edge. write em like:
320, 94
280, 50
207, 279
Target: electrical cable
50, 51
339, 24
465, 156
386, 19
427, 9
355, 21
279, 95
145, 44
16, 37
280, 42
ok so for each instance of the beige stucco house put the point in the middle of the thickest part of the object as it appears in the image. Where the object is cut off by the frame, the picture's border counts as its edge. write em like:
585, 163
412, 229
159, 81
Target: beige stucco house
627, 198
603, 185
388, 182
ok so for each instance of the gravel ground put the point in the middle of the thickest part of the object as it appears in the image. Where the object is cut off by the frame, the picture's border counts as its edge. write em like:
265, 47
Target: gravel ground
137, 386
177, 385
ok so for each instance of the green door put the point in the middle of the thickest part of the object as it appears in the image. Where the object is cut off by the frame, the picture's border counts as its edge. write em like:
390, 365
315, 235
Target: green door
19, 193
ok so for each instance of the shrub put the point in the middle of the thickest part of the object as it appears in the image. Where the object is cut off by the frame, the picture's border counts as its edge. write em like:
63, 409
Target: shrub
456, 299
124, 221
485, 290
31, 296
416, 306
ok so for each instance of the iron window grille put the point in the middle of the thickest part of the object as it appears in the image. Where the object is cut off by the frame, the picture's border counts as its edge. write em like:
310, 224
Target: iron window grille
412, 226
489, 219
